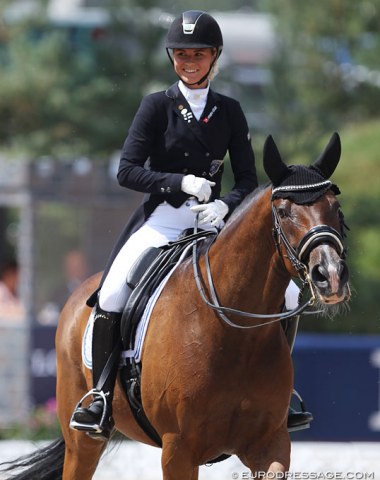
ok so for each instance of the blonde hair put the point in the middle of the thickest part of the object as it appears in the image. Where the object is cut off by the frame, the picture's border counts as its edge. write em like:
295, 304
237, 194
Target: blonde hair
213, 72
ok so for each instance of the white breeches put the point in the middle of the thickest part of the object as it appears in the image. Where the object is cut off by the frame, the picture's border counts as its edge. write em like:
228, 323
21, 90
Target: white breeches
164, 225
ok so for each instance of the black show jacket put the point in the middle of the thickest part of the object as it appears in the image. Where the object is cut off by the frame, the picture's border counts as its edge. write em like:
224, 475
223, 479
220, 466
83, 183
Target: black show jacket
166, 142
165, 131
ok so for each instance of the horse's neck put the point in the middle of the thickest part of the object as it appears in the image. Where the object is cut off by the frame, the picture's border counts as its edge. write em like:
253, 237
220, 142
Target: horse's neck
245, 264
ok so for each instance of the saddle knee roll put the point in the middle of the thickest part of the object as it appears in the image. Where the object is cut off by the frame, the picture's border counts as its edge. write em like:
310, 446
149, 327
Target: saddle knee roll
141, 265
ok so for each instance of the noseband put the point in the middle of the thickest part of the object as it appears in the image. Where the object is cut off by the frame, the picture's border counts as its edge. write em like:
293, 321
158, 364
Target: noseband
314, 237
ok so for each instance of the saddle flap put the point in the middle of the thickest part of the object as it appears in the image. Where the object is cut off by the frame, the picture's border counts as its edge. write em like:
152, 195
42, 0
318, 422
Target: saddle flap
141, 265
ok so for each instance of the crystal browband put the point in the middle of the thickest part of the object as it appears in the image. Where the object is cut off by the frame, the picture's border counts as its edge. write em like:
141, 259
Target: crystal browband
292, 188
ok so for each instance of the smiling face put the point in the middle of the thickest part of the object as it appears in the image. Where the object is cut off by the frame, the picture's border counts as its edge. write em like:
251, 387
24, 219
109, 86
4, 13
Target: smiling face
192, 64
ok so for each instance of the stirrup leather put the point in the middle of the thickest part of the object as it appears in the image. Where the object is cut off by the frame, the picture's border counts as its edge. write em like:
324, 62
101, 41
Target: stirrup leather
94, 428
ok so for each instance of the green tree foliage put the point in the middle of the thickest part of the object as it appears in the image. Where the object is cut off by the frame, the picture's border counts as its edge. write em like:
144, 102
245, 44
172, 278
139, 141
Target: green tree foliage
326, 72
73, 89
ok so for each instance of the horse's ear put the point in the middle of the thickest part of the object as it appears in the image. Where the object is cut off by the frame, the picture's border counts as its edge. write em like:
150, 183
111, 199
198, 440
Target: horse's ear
329, 159
274, 167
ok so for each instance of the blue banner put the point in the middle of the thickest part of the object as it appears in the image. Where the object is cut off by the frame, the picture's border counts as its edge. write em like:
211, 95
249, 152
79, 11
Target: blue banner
338, 378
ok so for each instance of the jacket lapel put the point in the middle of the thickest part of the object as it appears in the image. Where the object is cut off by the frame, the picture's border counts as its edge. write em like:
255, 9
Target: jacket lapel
183, 110
211, 108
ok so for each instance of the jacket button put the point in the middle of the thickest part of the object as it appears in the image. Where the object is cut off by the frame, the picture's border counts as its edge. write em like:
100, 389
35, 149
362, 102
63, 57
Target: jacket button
186, 154
168, 189
207, 154
185, 170
162, 190
204, 174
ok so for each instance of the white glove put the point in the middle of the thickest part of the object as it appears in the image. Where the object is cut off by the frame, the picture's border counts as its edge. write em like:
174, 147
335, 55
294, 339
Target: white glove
212, 213
197, 186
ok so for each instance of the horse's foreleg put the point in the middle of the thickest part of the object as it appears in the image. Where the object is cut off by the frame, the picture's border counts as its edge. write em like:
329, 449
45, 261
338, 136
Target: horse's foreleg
262, 470
176, 460
271, 458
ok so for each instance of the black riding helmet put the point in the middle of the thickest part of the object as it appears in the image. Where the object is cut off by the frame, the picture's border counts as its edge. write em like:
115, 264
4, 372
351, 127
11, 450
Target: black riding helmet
195, 29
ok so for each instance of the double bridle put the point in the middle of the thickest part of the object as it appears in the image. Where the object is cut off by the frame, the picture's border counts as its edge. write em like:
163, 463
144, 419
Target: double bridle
297, 256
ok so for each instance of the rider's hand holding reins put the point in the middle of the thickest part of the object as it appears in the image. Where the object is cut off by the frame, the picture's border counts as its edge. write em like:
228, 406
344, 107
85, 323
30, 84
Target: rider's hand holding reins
212, 213
197, 186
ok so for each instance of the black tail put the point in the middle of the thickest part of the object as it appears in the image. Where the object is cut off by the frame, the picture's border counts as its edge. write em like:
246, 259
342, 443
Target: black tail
43, 464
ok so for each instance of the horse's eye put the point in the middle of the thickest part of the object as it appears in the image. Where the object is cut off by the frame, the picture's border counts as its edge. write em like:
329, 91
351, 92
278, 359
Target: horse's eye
283, 212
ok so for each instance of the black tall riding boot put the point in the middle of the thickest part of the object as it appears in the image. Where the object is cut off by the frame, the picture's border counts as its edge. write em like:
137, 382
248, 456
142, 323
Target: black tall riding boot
296, 420
96, 419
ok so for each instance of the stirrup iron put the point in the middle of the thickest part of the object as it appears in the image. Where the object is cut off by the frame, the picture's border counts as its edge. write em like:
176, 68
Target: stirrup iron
95, 428
305, 425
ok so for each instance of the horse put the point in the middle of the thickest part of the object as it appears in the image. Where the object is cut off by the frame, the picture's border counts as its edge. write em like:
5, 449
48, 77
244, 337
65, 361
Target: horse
212, 387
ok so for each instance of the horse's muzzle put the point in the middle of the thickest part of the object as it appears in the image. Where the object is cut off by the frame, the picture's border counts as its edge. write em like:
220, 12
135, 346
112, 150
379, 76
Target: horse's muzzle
330, 276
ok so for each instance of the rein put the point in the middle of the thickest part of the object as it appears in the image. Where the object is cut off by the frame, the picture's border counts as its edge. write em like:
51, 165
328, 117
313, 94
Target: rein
312, 238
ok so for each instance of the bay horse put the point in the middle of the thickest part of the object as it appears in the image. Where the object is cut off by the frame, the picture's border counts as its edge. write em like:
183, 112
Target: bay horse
208, 388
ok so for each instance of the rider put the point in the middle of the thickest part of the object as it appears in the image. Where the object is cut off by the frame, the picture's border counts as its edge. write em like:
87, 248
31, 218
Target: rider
185, 132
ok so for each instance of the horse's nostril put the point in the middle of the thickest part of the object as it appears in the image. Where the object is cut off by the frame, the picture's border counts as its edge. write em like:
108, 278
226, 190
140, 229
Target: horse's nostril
319, 275
343, 272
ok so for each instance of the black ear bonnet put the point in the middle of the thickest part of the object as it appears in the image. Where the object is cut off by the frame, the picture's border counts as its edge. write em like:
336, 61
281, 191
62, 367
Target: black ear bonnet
303, 185
299, 183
